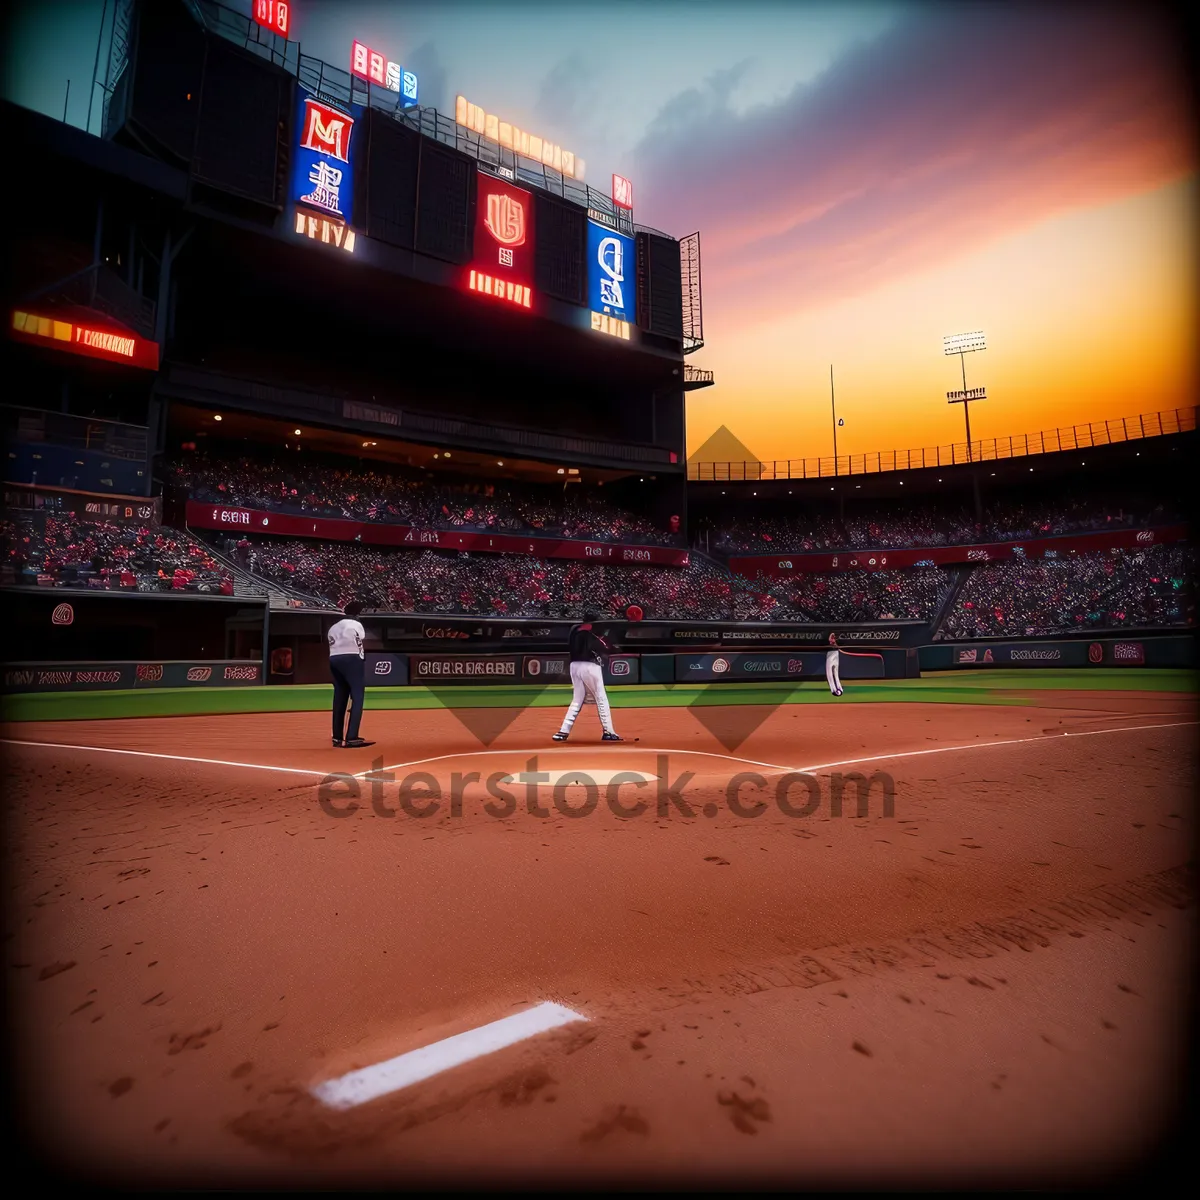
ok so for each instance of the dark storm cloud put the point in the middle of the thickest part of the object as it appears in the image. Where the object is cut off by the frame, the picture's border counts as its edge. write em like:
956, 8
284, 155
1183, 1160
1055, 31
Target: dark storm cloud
957, 126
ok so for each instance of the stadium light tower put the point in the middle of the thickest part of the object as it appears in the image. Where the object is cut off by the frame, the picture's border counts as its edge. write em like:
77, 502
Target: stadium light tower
963, 344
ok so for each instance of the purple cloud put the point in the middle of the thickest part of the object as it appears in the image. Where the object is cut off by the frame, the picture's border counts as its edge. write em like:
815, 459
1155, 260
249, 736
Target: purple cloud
954, 128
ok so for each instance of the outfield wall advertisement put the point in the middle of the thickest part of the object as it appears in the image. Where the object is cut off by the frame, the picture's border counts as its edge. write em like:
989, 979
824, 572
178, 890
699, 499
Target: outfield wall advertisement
114, 676
794, 665
1133, 651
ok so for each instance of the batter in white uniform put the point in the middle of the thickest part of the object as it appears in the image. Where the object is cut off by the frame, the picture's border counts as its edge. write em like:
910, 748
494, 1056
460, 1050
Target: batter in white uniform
588, 649
832, 663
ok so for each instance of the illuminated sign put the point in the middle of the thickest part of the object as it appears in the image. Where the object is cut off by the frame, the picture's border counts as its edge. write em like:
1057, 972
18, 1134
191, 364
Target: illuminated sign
622, 193
372, 66
92, 341
322, 229
274, 15
611, 261
500, 289
503, 259
322, 172
520, 141
610, 325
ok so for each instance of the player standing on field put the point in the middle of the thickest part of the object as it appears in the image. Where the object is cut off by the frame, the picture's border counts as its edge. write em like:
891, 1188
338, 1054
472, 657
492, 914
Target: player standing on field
588, 649
346, 666
833, 659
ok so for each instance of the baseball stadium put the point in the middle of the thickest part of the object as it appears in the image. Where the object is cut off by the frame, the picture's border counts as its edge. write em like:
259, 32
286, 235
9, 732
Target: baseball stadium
864, 855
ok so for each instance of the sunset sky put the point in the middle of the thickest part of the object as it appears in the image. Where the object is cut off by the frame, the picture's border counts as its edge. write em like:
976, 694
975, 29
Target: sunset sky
866, 180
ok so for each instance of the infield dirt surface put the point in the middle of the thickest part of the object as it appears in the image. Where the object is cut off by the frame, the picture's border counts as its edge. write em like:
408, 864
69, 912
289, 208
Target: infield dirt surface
989, 983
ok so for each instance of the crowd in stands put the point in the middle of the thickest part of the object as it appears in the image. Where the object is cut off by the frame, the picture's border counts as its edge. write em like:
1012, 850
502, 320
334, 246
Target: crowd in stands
57, 549
442, 582
1026, 598
896, 526
312, 487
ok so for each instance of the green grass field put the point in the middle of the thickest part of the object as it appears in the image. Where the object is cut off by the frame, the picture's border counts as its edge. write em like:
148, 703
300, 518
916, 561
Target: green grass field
947, 687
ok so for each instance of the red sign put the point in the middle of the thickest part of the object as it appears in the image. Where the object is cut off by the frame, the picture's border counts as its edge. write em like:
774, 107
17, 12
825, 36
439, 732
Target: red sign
92, 341
622, 193
326, 130
376, 533
274, 15
503, 264
368, 64
1130, 653
793, 563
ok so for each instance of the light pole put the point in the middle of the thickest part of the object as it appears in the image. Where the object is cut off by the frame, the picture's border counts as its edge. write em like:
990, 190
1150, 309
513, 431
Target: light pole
963, 344
833, 410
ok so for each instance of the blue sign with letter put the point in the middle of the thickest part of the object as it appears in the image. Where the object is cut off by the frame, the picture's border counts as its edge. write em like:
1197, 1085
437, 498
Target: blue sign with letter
322, 170
611, 270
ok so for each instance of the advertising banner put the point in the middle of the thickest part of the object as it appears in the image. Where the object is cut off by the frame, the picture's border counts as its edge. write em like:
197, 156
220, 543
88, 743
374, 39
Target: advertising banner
1166, 650
768, 636
322, 183
502, 267
1130, 654
611, 285
249, 520
556, 668
385, 670
96, 676
435, 669
92, 335
796, 665
783, 564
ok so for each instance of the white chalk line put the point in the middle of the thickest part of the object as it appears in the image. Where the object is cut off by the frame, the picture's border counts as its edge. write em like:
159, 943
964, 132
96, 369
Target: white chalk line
846, 762
558, 750
370, 1083
212, 762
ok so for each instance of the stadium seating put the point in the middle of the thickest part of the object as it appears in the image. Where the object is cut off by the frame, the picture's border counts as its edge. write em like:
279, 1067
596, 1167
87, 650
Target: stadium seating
312, 487
1145, 588
441, 582
893, 527
58, 550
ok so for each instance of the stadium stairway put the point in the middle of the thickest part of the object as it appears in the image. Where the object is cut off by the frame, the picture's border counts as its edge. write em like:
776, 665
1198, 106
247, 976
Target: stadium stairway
961, 575
245, 583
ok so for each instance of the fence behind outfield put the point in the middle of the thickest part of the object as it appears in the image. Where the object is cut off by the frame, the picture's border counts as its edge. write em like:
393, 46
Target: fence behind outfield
1047, 441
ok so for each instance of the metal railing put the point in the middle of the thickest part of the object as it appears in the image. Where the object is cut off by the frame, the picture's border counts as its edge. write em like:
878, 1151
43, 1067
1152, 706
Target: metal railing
1047, 441
119, 440
340, 87
696, 374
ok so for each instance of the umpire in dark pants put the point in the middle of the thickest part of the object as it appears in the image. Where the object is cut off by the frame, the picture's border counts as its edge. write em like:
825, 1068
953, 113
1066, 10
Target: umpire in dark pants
346, 640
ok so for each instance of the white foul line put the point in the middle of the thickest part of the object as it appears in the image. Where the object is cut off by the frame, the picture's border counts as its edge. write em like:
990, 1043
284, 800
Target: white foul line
370, 1083
1046, 737
212, 762
550, 750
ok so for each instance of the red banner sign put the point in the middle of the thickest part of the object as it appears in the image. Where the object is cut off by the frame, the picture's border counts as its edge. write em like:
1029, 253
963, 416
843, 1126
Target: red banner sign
782, 565
330, 529
274, 15
502, 268
90, 340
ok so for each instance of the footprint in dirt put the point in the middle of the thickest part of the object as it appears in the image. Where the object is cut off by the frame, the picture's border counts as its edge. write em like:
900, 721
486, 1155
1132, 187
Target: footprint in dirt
619, 1117
744, 1111
191, 1041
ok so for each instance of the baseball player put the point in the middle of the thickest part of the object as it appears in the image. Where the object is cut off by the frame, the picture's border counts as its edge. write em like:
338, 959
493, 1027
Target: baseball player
346, 666
832, 663
588, 649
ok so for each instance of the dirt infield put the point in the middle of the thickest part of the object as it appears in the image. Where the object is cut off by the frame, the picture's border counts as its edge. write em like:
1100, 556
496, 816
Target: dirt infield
988, 981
